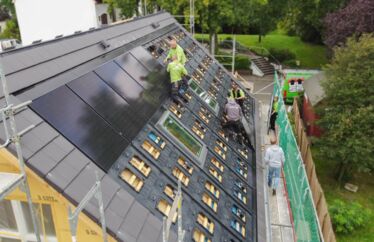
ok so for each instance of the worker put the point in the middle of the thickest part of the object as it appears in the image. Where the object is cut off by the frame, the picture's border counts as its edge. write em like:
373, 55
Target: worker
175, 49
238, 94
233, 115
177, 72
274, 113
274, 157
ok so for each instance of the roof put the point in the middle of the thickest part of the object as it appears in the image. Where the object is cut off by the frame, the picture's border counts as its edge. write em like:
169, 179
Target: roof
313, 88
100, 103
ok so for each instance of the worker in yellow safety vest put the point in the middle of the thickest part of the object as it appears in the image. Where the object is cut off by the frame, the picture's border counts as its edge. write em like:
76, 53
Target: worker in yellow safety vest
175, 49
177, 72
238, 94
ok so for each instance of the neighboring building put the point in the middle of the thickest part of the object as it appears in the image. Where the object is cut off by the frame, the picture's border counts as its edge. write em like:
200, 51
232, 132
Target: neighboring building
46, 19
101, 103
313, 95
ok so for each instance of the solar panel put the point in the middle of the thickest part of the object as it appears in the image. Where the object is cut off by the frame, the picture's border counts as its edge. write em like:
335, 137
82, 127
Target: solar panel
80, 124
108, 104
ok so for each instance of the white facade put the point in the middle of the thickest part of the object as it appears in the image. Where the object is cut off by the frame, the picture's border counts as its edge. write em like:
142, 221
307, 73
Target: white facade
46, 19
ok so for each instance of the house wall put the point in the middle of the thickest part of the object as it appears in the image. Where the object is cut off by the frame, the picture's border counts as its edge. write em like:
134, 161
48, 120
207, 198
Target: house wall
45, 19
43, 193
102, 9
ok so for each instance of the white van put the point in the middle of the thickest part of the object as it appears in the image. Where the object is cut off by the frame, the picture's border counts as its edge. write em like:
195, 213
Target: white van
8, 44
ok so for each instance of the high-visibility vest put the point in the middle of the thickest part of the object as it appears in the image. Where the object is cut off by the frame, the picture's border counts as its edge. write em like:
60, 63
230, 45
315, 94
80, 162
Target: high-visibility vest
237, 94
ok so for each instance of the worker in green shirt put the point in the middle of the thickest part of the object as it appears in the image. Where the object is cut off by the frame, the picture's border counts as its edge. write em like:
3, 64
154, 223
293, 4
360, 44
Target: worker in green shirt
238, 94
175, 49
177, 71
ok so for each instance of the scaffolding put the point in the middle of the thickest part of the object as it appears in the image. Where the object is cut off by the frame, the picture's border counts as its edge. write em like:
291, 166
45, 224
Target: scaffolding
11, 181
175, 208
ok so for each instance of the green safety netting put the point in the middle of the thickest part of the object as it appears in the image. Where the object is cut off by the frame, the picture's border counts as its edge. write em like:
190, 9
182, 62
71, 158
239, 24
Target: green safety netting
300, 197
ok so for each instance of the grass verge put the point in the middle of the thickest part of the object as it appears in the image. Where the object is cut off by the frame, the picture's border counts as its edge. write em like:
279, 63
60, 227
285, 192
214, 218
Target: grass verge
309, 55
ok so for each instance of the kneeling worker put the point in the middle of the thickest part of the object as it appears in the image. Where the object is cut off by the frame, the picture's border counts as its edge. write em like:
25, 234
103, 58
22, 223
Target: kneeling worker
177, 71
233, 114
175, 49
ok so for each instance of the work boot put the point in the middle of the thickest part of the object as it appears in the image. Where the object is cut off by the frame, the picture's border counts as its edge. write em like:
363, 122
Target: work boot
274, 192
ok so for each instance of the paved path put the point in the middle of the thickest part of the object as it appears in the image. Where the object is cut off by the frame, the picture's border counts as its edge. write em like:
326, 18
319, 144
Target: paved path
281, 228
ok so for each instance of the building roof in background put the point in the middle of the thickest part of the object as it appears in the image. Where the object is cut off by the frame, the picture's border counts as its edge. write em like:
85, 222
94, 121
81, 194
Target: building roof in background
100, 103
313, 88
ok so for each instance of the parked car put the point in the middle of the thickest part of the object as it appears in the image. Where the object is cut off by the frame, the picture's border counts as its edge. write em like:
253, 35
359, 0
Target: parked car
8, 44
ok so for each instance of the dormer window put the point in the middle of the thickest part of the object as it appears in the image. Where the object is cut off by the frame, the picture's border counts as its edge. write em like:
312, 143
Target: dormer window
199, 236
176, 108
238, 227
240, 196
198, 129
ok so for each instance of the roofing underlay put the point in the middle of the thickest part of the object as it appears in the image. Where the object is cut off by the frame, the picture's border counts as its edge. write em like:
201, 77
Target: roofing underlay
106, 108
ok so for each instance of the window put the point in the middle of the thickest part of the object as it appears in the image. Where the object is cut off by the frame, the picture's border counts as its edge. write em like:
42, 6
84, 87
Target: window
205, 96
223, 135
140, 165
209, 201
242, 171
181, 176
199, 236
204, 115
238, 227
238, 212
243, 152
16, 222
212, 92
198, 129
220, 152
185, 164
164, 207
241, 186
135, 182
153, 151
182, 135
176, 108
212, 189
7, 218
217, 164
196, 76
205, 222
215, 174
170, 191
157, 139
221, 144
240, 196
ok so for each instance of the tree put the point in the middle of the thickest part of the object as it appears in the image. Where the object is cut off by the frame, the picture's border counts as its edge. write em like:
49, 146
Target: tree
265, 16
353, 20
304, 18
348, 115
11, 30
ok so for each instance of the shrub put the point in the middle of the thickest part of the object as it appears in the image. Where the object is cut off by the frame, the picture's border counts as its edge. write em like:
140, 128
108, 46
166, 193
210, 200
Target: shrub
241, 62
347, 217
282, 54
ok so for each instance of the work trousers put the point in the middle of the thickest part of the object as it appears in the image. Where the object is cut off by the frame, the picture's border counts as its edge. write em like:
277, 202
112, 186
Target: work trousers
273, 177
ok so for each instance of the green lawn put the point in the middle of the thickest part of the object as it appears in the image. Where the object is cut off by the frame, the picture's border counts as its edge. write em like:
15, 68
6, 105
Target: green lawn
365, 196
310, 56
